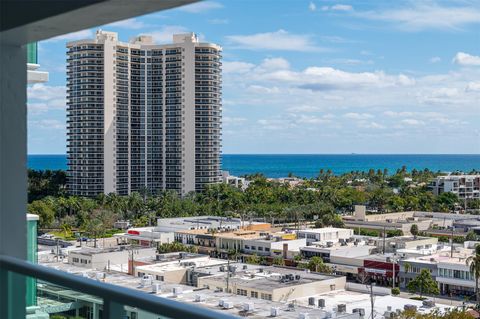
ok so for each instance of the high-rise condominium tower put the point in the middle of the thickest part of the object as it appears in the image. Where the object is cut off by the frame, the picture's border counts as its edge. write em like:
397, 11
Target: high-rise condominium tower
142, 116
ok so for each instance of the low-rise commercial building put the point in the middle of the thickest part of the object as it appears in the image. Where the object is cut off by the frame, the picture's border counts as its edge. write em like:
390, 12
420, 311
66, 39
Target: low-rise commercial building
145, 236
272, 283
178, 268
400, 221
107, 258
274, 246
324, 235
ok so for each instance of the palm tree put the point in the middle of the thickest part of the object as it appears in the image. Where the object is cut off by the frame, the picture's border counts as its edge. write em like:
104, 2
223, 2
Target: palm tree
407, 267
474, 263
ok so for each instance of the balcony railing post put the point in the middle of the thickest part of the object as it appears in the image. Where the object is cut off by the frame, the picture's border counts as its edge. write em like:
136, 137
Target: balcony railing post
112, 310
12, 287
13, 172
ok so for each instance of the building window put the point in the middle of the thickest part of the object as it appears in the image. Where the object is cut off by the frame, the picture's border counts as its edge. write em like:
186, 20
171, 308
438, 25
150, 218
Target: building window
266, 296
241, 292
254, 294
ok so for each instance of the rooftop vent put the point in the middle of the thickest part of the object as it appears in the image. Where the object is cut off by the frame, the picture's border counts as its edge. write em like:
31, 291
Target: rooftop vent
274, 312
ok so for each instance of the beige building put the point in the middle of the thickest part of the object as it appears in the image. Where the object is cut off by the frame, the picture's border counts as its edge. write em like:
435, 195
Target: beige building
176, 268
394, 221
142, 115
107, 258
273, 283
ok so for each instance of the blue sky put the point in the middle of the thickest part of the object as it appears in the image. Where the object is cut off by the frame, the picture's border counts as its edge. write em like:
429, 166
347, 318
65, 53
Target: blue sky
315, 76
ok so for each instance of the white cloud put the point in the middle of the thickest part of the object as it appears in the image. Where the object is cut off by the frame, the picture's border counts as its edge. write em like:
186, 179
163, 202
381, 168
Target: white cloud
40, 91
326, 78
412, 122
312, 6
338, 7
397, 114
79, 35
233, 120
305, 109
47, 124
218, 21
473, 87
275, 64
237, 67
424, 15
128, 24
371, 125
43, 98
166, 32
435, 59
305, 104
263, 89
466, 59
280, 40
200, 7
358, 116
341, 7
350, 61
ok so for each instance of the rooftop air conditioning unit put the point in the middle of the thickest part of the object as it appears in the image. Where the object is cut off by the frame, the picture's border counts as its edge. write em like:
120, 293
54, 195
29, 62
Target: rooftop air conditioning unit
177, 291
274, 312
221, 302
321, 303
227, 305
342, 308
146, 280
199, 298
303, 315
248, 307
156, 289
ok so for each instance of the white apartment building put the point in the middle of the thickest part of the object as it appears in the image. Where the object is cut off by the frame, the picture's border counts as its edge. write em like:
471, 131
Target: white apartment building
465, 186
324, 235
143, 116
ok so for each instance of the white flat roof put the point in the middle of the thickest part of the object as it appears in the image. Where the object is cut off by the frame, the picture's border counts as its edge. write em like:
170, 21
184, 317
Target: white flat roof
323, 230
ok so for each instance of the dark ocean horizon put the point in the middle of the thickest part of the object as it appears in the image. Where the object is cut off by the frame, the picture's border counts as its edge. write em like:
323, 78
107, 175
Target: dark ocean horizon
308, 165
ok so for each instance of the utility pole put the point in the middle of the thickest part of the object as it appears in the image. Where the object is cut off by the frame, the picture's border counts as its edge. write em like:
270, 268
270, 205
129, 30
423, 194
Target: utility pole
451, 243
132, 261
57, 249
393, 278
384, 235
228, 271
372, 300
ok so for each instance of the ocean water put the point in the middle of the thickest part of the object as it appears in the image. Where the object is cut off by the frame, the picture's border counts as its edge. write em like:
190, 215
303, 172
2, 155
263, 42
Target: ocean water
309, 165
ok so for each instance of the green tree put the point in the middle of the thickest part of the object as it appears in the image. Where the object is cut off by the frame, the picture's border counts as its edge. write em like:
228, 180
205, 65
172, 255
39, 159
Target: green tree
45, 212
253, 259
471, 236
407, 267
423, 284
473, 262
414, 230
316, 264
279, 261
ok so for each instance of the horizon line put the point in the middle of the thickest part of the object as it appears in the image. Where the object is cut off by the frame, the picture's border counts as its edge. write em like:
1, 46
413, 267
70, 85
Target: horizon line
295, 154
